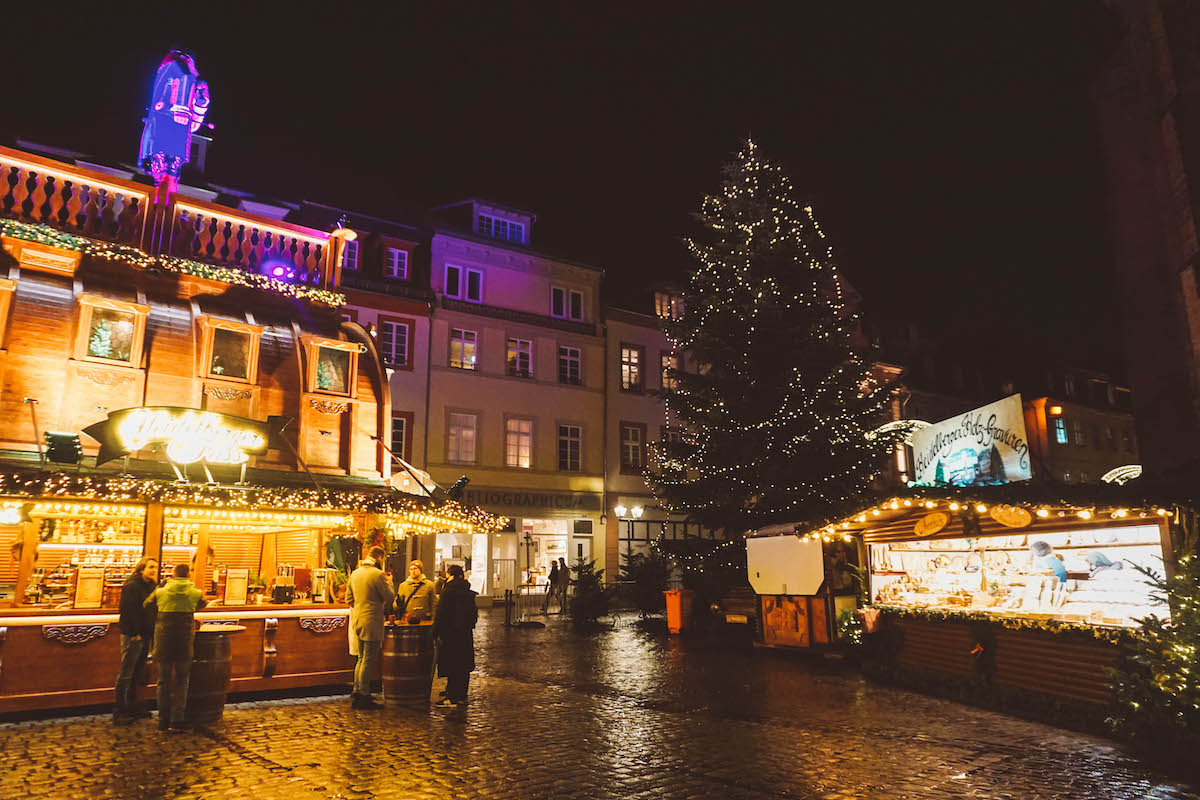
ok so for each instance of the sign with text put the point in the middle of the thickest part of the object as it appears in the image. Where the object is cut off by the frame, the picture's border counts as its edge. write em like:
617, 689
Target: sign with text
523, 498
187, 434
984, 446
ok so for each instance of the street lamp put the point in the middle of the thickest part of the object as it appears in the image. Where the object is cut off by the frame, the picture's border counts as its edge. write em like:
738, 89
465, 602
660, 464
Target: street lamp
637, 512
620, 509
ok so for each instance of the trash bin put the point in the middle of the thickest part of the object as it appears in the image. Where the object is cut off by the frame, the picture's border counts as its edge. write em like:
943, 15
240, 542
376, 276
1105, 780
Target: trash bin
679, 609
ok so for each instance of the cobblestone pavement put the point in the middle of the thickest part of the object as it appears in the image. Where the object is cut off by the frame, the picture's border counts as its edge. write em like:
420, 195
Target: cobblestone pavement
625, 714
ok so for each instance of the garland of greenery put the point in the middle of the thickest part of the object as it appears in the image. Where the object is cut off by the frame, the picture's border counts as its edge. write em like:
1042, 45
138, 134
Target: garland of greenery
1102, 633
44, 234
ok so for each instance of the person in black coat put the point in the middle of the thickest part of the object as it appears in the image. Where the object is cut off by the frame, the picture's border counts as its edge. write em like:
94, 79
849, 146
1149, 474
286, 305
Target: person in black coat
137, 632
453, 627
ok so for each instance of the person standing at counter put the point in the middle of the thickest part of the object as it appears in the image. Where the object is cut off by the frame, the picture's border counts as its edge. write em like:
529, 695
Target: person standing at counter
174, 633
414, 597
369, 592
137, 630
453, 627
1045, 560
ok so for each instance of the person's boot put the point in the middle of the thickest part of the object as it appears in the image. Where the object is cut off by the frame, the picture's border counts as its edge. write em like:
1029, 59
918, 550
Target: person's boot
355, 700
164, 721
367, 702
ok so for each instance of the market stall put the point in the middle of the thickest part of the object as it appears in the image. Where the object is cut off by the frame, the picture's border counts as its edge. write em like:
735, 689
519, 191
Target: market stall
260, 555
1022, 594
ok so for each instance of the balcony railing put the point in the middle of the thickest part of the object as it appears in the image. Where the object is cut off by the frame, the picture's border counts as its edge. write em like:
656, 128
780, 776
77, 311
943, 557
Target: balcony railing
71, 199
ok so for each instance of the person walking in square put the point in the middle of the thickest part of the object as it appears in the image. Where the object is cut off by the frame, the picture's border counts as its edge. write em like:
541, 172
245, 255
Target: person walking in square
137, 632
564, 584
369, 593
454, 628
551, 586
177, 602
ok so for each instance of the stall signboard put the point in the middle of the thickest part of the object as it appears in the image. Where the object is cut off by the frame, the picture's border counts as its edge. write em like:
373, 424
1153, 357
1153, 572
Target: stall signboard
984, 446
188, 435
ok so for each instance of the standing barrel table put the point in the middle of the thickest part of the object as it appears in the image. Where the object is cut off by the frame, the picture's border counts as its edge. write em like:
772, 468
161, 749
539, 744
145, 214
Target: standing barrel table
407, 664
210, 673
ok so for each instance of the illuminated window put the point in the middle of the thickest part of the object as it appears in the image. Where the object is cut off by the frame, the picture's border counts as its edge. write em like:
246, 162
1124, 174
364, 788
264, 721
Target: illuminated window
229, 349
462, 348
667, 305
633, 444
460, 436
395, 263
569, 361
1060, 430
670, 365
499, 228
332, 365
519, 358
518, 442
631, 368
350, 256
464, 283
570, 448
566, 303
394, 342
110, 331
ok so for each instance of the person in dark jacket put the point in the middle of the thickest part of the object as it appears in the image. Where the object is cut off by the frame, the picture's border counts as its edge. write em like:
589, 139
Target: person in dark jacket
453, 627
137, 631
174, 634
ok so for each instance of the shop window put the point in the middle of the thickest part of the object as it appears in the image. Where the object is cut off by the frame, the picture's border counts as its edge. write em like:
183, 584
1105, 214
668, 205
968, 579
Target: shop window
631, 368
1060, 430
569, 366
395, 263
566, 303
462, 348
670, 365
519, 358
110, 331
460, 438
230, 349
395, 342
570, 448
633, 447
518, 443
332, 365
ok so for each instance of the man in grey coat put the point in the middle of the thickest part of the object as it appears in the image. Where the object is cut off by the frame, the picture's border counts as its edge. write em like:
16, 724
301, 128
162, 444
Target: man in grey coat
370, 592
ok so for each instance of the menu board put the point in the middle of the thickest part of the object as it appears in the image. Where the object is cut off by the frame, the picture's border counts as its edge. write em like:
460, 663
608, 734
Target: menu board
1086, 576
236, 581
89, 587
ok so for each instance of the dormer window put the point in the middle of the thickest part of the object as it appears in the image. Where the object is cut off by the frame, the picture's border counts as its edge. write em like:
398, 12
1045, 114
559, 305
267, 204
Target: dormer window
499, 228
667, 305
350, 256
395, 264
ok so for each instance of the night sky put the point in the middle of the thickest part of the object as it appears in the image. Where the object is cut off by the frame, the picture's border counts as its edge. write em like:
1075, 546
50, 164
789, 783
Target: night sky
949, 150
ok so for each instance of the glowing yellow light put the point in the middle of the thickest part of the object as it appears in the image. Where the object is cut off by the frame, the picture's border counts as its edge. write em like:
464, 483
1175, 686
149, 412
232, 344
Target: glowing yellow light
1041, 512
954, 506
981, 508
1085, 514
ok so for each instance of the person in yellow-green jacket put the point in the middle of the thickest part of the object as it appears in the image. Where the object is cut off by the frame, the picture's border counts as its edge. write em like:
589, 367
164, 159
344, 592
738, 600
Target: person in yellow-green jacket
177, 601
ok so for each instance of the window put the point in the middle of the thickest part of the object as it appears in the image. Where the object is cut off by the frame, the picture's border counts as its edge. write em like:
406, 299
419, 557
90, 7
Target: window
570, 441
230, 349
631, 368
332, 365
230, 354
394, 342
1110, 437
566, 303
350, 315
1060, 430
350, 256
499, 228
464, 283
519, 357
1077, 433
462, 348
1069, 386
460, 446
395, 263
670, 362
569, 361
667, 305
518, 443
109, 330
400, 436
633, 447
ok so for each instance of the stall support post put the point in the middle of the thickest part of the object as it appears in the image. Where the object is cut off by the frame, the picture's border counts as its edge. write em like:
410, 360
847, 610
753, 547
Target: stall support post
267, 562
201, 559
153, 536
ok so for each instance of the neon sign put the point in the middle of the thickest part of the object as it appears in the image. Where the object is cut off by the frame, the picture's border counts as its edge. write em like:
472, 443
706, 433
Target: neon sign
188, 435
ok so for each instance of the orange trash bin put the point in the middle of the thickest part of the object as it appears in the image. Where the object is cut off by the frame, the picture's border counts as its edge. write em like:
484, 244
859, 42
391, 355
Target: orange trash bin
679, 609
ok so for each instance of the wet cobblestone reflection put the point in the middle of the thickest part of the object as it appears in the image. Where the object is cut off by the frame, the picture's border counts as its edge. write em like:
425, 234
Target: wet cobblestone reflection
626, 714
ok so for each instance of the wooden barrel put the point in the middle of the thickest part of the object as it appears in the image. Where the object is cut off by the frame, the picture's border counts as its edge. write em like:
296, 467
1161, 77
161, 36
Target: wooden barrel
210, 675
407, 664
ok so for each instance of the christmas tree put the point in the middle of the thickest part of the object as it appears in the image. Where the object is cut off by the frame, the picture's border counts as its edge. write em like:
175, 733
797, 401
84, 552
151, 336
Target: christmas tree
776, 420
